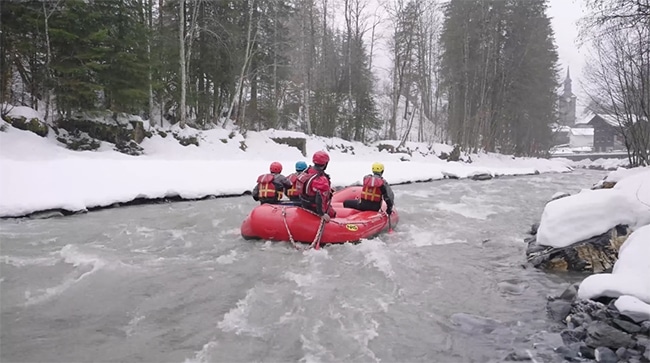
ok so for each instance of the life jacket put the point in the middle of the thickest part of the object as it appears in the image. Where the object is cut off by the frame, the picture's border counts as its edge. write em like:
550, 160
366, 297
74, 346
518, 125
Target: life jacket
267, 189
302, 182
293, 191
371, 190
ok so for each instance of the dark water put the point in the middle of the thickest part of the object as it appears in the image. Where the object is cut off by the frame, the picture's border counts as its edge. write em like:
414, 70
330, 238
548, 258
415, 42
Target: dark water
176, 282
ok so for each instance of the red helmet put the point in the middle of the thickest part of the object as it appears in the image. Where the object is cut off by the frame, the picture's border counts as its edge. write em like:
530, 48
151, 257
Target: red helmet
276, 167
321, 158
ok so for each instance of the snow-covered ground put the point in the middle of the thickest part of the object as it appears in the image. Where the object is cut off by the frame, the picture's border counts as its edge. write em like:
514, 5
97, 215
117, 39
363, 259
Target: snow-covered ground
40, 174
604, 164
592, 212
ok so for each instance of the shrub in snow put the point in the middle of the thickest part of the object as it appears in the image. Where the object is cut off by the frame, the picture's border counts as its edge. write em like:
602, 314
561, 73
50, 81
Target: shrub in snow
34, 124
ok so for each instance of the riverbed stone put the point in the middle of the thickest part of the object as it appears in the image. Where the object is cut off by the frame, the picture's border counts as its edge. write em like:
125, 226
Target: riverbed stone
568, 352
605, 355
558, 310
587, 352
518, 356
599, 334
570, 293
626, 326
481, 176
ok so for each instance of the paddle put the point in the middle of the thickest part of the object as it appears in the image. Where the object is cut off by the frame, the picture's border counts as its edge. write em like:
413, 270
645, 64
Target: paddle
390, 225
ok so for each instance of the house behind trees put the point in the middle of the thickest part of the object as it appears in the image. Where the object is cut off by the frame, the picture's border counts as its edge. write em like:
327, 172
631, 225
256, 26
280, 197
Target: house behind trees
607, 135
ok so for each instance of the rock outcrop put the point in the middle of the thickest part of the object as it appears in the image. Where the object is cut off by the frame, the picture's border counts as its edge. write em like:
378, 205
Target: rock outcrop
34, 124
594, 255
84, 131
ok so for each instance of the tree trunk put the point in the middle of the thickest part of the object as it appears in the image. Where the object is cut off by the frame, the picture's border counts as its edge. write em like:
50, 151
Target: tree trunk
183, 69
348, 22
237, 96
306, 66
161, 101
152, 121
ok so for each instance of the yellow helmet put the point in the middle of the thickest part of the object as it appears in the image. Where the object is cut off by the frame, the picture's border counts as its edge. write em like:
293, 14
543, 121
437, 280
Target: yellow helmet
377, 168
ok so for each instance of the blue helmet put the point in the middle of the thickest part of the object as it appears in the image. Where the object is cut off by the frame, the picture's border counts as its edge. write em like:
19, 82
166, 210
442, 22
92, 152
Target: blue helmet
301, 165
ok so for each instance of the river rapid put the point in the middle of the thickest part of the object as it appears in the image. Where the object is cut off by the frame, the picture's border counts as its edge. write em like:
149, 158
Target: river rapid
175, 282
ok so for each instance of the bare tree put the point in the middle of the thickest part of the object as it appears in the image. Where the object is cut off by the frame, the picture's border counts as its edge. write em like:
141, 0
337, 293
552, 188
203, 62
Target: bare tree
183, 68
46, 16
248, 54
618, 73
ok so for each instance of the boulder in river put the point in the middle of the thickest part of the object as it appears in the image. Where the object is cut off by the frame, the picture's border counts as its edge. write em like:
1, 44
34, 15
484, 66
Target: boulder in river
594, 255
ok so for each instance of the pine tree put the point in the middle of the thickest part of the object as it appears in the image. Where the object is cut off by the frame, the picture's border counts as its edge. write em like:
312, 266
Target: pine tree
124, 79
78, 54
499, 61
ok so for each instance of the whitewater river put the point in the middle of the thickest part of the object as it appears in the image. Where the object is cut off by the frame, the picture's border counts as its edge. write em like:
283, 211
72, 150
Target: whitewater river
176, 283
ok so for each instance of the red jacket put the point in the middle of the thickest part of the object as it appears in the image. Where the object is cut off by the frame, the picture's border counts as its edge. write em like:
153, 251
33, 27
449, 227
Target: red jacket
315, 191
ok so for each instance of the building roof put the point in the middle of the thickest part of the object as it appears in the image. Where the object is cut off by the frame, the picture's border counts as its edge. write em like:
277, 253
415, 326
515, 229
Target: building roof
610, 119
583, 131
556, 128
584, 119
613, 120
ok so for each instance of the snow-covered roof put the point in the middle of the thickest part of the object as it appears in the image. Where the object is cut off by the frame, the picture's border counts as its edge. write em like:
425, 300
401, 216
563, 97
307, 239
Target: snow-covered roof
582, 131
613, 120
584, 119
561, 129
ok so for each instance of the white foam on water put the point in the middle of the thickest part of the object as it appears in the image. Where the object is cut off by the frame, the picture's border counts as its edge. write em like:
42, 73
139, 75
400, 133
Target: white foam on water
227, 259
467, 211
314, 351
71, 255
44, 241
216, 222
18, 261
230, 232
202, 356
130, 327
177, 234
236, 320
304, 282
430, 237
144, 231
375, 253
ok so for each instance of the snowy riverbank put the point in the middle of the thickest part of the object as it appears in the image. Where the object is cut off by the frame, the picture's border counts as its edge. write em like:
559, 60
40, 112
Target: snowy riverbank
40, 174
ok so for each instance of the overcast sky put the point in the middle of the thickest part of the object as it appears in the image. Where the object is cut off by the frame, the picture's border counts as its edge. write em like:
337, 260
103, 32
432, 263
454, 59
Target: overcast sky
564, 15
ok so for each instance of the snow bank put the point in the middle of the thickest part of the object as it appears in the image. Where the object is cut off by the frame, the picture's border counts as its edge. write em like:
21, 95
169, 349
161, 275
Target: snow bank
604, 164
39, 174
630, 275
622, 173
22, 111
592, 212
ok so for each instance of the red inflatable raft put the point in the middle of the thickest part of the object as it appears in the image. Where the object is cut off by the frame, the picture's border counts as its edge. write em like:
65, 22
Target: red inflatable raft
276, 222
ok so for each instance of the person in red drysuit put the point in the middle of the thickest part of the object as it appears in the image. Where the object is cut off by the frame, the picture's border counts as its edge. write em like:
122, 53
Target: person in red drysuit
270, 186
315, 188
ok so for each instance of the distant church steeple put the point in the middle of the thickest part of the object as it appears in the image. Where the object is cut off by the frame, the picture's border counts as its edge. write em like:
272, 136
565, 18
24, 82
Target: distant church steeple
567, 103
567, 83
